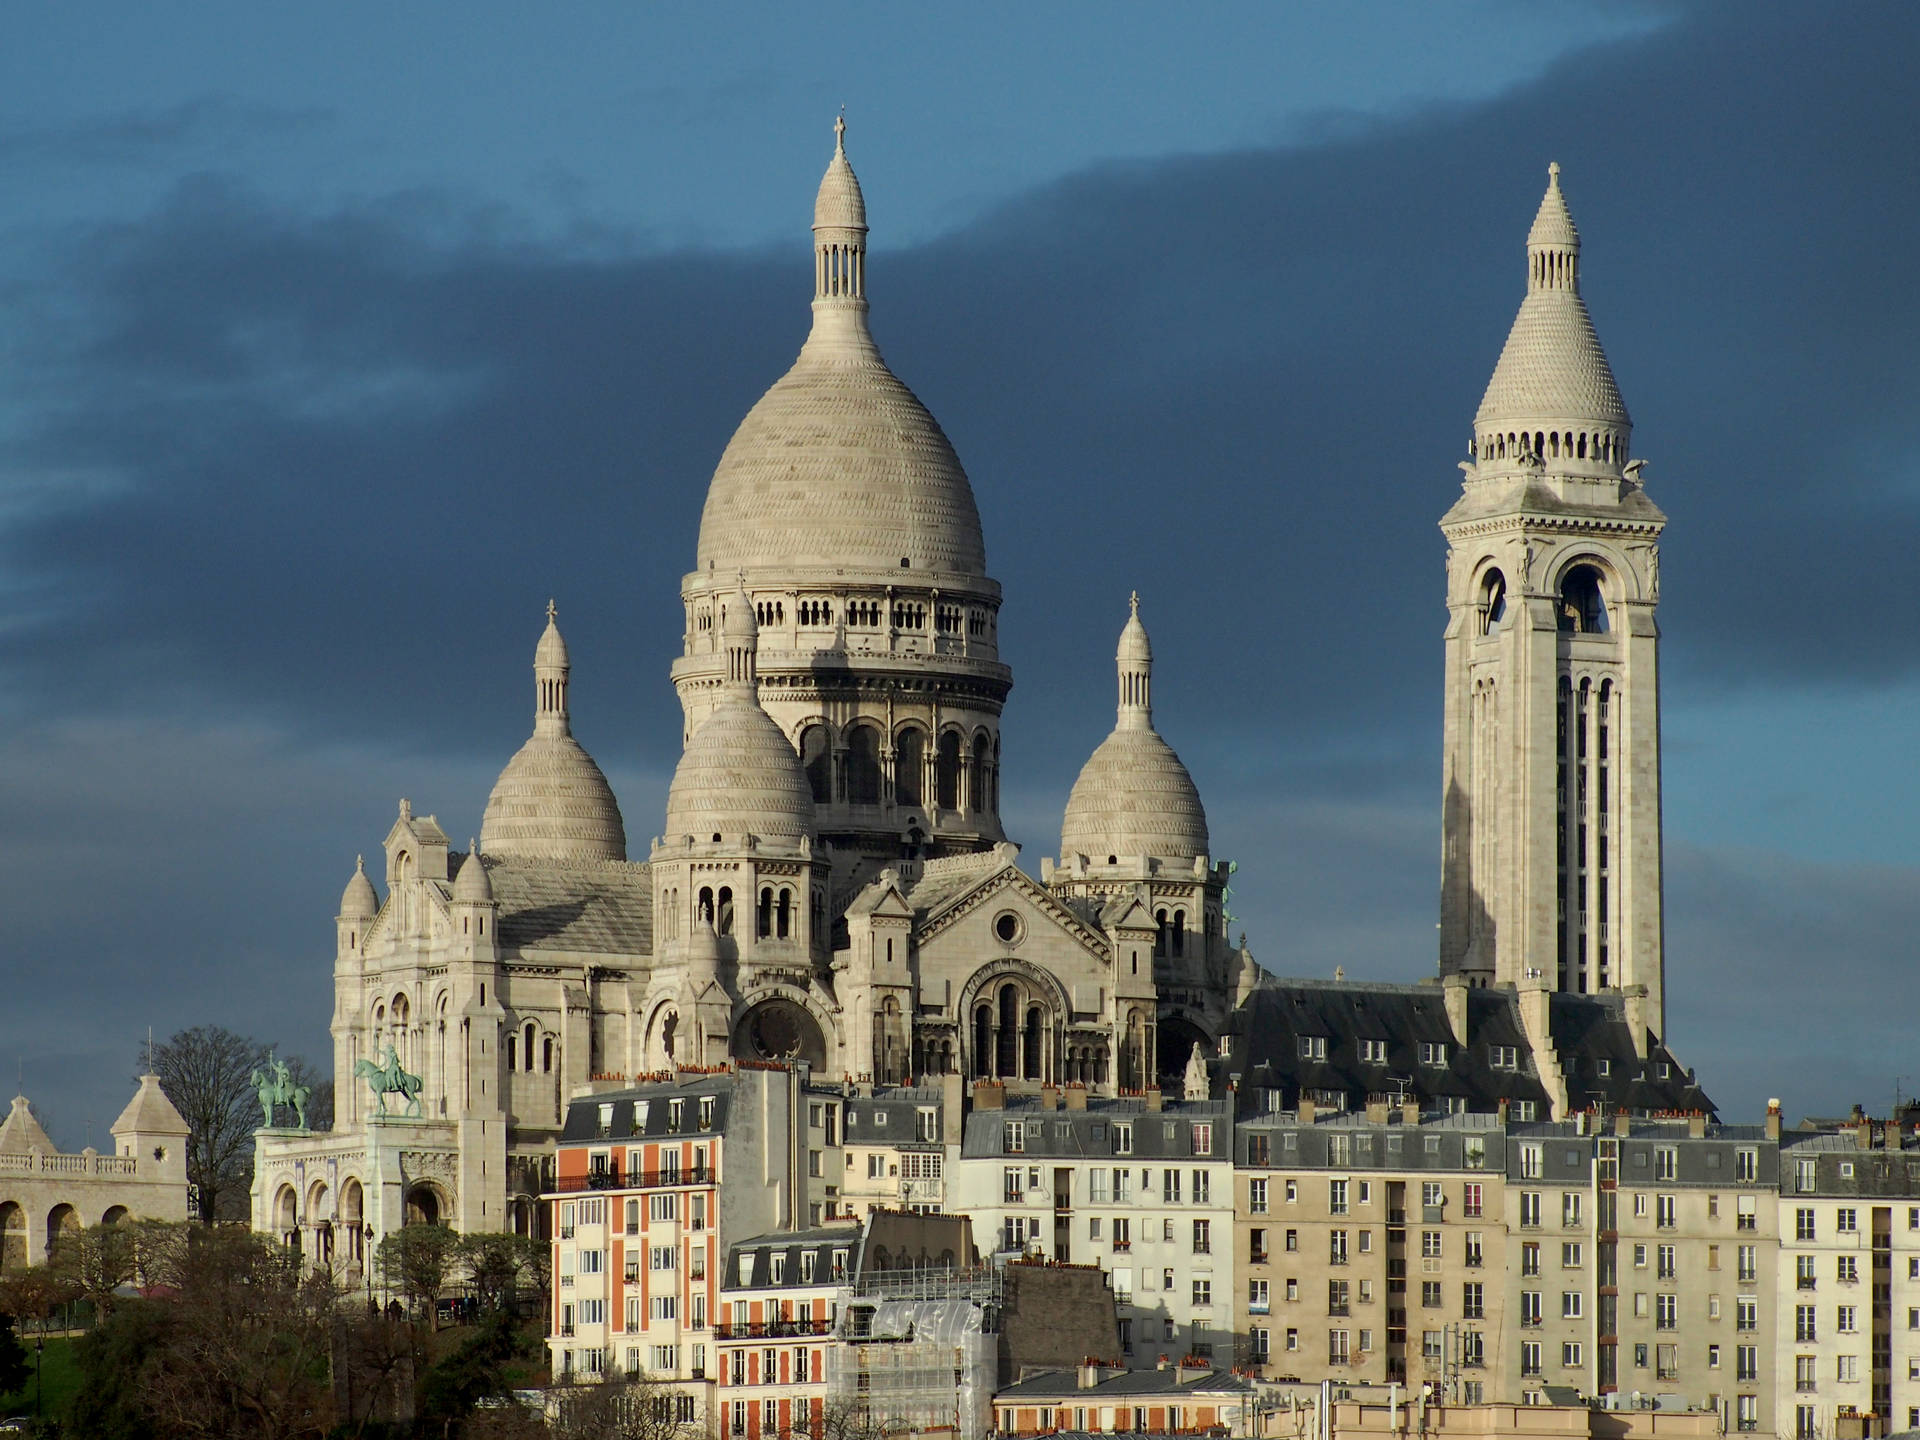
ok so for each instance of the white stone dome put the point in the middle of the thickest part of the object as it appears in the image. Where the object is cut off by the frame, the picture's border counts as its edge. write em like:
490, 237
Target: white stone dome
839, 465
739, 776
1134, 797
472, 884
553, 803
359, 901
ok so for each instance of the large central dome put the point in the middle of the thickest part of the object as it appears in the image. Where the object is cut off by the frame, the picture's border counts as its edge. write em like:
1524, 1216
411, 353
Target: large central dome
839, 465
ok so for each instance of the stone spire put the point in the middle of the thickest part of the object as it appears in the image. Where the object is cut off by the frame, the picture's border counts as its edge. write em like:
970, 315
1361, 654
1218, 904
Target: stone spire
550, 670
1552, 397
1134, 661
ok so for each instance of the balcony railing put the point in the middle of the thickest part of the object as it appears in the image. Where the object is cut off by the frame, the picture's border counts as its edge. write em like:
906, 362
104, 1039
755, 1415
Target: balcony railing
629, 1180
770, 1329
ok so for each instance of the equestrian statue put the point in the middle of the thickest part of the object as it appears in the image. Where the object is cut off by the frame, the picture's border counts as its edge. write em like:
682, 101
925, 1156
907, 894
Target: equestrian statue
387, 1078
275, 1087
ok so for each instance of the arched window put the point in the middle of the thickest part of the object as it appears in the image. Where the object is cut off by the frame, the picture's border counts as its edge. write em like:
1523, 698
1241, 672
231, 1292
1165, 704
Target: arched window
909, 767
546, 1055
946, 772
513, 1049
783, 915
723, 914
1583, 608
816, 757
983, 1041
1493, 602
981, 784
863, 765
1006, 1053
1179, 932
1159, 934
706, 904
1030, 1046
528, 1051
763, 916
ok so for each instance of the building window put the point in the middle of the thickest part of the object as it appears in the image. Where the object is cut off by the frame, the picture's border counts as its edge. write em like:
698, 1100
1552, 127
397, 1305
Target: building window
1257, 1197
1570, 1354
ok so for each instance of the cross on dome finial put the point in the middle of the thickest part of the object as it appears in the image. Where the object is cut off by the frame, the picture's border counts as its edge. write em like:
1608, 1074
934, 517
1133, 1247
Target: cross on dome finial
840, 131
552, 610
1133, 601
1553, 172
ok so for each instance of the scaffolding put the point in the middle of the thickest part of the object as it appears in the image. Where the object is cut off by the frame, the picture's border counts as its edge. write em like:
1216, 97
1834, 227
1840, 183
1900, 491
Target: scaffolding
920, 1353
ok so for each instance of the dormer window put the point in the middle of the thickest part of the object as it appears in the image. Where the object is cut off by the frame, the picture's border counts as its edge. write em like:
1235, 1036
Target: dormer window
1313, 1047
1493, 602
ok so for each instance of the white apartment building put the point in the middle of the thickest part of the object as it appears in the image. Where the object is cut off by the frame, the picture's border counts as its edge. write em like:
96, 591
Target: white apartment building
1143, 1188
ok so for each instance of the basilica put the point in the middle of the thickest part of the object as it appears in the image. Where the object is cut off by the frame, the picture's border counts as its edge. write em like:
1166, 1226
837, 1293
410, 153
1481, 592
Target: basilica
830, 882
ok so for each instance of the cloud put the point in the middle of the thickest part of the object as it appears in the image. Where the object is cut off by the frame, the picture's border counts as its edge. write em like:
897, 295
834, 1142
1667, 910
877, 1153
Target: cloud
138, 136
314, 475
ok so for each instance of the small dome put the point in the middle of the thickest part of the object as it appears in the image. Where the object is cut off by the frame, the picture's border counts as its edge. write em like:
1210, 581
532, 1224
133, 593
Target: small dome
1134, 797
552, 803
359, 901
739, 776
1553, 222
839, 205
472, 884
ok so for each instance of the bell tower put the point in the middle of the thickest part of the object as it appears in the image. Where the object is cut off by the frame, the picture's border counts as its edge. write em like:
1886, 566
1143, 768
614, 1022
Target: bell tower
1551, 868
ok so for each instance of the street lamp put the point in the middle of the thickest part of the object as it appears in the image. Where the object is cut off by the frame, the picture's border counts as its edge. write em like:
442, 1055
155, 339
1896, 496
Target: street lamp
366, 1264
39, 1348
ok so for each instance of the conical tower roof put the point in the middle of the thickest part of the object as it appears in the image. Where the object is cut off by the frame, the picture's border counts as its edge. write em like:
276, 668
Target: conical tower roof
20, 1133
1552, 372
150, 1112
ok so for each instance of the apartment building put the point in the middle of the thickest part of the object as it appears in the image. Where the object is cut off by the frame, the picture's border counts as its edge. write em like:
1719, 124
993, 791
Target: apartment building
1143, 1188
780, 1300
1369, 1246
1639, 1258
1848, 1325
651, 1183
900, 1145
1099, 1399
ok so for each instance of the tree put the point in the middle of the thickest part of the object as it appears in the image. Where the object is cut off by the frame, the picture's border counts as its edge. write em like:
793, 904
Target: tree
240, 1348
95, 1262
416, 1261
206, 1072
497, 1267
622, 1407
13, 1359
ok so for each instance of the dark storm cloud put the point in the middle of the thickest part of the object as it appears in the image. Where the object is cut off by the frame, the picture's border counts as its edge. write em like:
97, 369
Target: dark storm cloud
321, 472
137, 136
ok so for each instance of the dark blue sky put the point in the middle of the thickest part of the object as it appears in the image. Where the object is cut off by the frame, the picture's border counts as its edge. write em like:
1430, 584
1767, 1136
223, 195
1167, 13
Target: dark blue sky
326, 355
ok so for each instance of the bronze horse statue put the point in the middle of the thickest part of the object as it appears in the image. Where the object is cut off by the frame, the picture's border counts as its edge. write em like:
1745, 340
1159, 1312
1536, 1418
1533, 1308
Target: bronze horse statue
387, 1078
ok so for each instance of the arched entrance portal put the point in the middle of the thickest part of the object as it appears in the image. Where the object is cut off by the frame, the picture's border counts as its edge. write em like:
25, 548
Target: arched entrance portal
1177, 1038
780, 1029
424, 1205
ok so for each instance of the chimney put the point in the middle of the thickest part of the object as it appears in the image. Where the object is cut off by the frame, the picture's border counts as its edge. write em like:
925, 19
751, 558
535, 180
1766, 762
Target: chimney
1773, 1120
1863, 1135
1153, 1100
1697, 1126
1089, 1374
1164, 1362
1049, 1097
1076, 1097
1636, 998
989, 1095
1506, 1111
1306, 1108
1376, 1109
1622, 1123
1453, 989
1409, 1111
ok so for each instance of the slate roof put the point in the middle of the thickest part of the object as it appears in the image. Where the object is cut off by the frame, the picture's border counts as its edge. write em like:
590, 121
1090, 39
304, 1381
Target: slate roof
597, 907
1265, 1051
1166, 1383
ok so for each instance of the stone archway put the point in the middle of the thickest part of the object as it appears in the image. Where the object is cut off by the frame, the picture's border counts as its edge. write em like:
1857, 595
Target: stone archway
426, 1205
780, 1028
1178, 1035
